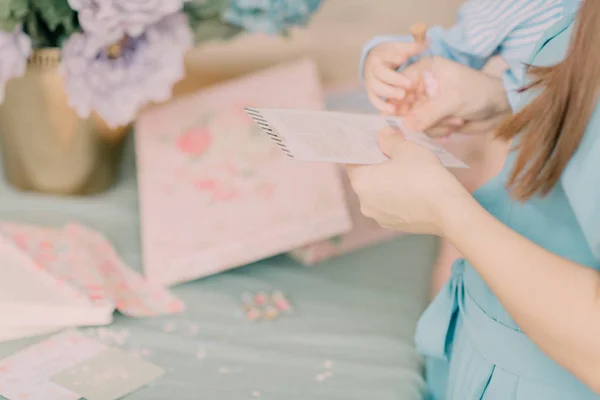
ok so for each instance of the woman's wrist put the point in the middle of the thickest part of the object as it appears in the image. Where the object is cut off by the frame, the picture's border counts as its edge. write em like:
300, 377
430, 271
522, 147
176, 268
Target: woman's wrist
458, 211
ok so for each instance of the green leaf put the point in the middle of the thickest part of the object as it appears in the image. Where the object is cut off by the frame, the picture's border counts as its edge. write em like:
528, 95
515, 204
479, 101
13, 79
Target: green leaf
18, 9
8, 25
213, 29
55, 13
12, 13
202, 9
205, 20
4, 9
49, 22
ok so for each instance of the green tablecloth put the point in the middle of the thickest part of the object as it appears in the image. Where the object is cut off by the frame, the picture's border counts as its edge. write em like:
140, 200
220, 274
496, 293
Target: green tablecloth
356, 312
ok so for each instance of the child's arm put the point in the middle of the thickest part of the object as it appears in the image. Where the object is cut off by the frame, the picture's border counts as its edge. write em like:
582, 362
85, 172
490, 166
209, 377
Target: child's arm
483, 29
448, 43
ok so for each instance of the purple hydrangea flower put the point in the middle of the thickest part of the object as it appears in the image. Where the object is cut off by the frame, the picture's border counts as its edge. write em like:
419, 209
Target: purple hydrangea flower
15, 48
112, 19
143, 70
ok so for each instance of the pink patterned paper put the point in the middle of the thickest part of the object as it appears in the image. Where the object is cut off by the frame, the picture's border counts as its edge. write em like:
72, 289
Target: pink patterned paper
365, 232
217, 193
84, 260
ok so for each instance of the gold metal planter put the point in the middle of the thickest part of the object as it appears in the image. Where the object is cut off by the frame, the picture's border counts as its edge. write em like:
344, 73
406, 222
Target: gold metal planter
45, 146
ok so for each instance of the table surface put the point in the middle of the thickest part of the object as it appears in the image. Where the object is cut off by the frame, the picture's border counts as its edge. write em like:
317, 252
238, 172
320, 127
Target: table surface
356, 312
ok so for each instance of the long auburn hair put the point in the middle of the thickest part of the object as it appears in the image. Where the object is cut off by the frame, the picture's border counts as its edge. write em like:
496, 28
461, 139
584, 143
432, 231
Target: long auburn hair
552, 126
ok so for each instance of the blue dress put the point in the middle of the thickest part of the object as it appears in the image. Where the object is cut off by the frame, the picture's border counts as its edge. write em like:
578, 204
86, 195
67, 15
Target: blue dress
474, 349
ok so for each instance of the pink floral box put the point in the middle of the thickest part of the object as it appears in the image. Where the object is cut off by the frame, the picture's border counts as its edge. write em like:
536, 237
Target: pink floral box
216, 193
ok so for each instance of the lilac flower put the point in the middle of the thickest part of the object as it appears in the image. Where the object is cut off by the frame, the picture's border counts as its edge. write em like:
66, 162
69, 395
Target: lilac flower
143, 70
113, 19
15, 48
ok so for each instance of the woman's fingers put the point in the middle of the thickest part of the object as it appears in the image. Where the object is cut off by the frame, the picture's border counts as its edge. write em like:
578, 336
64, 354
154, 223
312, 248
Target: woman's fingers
427, 115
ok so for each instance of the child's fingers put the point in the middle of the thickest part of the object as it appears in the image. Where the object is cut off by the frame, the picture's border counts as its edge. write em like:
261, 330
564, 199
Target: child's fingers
397, 53
380, 104
391, 77
386, 91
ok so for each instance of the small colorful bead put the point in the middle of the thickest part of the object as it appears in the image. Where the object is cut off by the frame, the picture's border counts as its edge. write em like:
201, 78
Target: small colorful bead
281, 302
270, 313
252, 313
261, 299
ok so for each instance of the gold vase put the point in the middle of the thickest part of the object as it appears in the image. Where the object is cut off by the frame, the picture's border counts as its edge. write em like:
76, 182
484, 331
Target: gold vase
45, 146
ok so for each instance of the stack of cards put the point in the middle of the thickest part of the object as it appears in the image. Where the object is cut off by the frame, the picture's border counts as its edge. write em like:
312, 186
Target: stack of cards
70, 366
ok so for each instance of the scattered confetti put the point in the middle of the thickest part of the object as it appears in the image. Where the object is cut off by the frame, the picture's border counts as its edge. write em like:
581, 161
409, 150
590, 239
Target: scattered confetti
224, 371
253, 313
281, 302
261, 299
265, 306
169, 327
201, 354
271, 313
256, 393
109, 336
328, 364
193, 330
320, 377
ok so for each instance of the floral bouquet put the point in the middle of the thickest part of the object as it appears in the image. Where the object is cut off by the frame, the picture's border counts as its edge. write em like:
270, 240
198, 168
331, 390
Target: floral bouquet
118, 55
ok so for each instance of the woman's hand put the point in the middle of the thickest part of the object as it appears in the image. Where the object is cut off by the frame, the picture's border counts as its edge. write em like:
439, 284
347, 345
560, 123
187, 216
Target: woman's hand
462, 93
412, 192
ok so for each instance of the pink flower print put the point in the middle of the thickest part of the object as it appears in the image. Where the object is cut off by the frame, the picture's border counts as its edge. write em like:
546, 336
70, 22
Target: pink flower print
231, 169
226, 194
240, 113
195, 142
206, 184
266, 190
218, 190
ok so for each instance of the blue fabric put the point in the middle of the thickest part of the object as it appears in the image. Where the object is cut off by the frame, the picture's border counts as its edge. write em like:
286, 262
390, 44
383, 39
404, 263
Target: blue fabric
477, 351
486, 28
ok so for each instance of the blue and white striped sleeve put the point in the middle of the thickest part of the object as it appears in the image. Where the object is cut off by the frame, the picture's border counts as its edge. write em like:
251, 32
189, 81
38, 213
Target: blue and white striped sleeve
486, 28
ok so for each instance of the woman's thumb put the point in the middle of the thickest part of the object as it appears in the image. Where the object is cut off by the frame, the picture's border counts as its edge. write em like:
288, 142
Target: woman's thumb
391, 142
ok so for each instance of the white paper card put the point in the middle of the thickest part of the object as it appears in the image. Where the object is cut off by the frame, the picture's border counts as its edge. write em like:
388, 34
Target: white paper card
337, 137
26, 374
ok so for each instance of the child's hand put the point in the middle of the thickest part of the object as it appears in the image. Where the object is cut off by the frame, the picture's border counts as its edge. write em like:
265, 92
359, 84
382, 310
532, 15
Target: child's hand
384, 84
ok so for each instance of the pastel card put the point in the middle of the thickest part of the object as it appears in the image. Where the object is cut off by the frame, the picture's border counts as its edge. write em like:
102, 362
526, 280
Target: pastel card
338, 137
83, 263
216, 193
26, 374
110, 375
